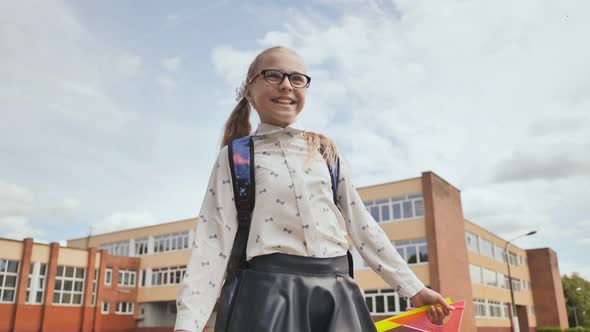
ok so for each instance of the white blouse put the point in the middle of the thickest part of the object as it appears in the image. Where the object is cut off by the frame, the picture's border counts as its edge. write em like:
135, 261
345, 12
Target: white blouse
294, 214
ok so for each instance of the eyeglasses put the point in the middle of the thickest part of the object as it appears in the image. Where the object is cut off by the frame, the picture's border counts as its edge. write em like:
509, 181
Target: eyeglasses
275, 77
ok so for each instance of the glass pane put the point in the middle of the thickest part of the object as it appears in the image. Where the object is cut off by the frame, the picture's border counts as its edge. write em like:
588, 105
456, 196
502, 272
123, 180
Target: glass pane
1, 280
402, 252
31, 267
375, 213
379, 304
66, 298
412, 258
385, 215
369, 301
43, 269
10, 281
27, 297
2, 265
77, 298
39, 297
78, 286
403, 304
408, 213
57, 284
423, 254
173, 244
12, 266
56, 297
69, 271
29, 283
60, 271
397, 211
185, 241
391, 303
68, 285
8, 295
419, 207
80, 272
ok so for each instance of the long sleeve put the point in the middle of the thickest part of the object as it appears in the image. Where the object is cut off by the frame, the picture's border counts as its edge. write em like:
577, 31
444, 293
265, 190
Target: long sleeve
214, 236
371, 241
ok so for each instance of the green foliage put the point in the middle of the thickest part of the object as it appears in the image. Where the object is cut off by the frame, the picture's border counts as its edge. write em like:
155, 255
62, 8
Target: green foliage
577, 299
549, 329
579, 329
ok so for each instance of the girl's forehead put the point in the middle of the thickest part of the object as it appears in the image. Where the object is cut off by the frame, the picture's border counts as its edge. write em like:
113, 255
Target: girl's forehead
282, 60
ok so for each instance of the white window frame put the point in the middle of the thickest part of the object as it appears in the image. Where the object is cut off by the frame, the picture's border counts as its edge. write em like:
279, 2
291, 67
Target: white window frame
373, 294
472, 272
127, 278
389, 203
166, 274
417, 244
108, 307
124, 308
94, 287
141, 246
483, 243
108, 276
36, 283
74, 279
476, 241
4, 272
483, 305
488, 273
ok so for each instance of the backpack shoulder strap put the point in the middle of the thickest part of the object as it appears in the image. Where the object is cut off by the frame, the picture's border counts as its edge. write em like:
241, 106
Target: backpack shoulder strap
241, 159
335, 174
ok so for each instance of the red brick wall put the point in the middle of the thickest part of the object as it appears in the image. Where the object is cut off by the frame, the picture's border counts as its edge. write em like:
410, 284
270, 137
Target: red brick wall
7, 313
547, 288
445, 231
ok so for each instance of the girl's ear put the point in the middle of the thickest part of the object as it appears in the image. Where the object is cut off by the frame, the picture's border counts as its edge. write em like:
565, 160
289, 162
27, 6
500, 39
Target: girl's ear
248, 95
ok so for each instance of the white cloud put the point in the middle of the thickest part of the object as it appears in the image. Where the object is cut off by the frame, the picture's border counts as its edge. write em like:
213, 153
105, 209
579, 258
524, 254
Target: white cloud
18, 228
129, 65
14, 199
124, 220
172, 64
166, 83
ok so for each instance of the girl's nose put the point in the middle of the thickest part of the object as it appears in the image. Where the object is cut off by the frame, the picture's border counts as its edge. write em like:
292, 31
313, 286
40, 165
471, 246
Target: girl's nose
285, 85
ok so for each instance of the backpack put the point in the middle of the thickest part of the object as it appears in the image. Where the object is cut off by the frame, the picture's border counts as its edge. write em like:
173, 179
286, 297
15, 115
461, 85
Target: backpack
241, 161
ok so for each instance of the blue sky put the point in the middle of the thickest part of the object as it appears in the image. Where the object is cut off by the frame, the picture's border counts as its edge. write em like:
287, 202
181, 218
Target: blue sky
112, 112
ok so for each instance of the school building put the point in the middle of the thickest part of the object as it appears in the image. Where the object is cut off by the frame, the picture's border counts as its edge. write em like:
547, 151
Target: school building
128, 280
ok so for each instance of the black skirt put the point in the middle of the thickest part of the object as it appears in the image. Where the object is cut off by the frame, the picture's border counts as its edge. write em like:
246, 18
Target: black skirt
289, 293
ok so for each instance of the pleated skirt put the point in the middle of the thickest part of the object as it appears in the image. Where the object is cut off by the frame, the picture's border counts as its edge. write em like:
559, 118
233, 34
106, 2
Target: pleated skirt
288, 293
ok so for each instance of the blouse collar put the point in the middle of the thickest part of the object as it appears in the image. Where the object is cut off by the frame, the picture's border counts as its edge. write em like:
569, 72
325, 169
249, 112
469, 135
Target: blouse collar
268, 129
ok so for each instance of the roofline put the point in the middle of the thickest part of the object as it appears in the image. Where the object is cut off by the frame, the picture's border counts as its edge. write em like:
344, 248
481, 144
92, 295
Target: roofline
131, 229
487, 230
388, 183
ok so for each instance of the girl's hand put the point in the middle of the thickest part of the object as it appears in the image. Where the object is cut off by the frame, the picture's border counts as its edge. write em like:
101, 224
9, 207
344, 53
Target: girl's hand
438, 311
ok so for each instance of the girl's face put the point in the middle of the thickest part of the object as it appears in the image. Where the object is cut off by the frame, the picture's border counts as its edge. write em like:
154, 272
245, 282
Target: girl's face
277, 105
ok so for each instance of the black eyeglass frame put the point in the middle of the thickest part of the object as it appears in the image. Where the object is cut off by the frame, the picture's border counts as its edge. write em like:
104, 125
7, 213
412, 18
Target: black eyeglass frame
264, 71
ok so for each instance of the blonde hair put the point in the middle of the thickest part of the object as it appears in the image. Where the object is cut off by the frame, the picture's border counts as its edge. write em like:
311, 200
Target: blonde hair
238, 124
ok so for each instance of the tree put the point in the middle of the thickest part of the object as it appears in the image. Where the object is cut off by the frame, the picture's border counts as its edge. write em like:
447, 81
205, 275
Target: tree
577, 299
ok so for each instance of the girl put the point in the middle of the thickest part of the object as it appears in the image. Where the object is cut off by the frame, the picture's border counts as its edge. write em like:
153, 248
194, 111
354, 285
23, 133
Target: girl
298, 276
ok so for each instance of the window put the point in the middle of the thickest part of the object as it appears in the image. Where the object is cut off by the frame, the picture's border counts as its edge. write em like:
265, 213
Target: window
480, 308
506, 310
516, 286
142, 275
502, 280
141, 246
105, 308
485, 247
108, 276
495, 309
94, 286
475, 273
500, 254
396, 208
8, 280
512, 258
170, 242
124, 308
69, 285
471, 241
385, 301
117, 248
168, 275
531, 310
412, 251
490, 278
36, 283
126, 278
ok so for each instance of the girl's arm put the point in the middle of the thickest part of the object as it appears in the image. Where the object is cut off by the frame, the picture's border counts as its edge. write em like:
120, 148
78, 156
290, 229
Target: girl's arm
370, 240
211, 248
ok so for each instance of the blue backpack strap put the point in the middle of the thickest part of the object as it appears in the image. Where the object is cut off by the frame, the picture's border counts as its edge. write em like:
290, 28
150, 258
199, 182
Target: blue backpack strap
241, 161
335, 174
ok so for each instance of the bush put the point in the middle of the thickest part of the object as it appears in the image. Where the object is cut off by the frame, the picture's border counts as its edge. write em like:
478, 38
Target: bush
579, 329
549, 329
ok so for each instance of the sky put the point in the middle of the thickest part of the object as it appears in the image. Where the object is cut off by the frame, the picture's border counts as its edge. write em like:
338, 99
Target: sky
112, 111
